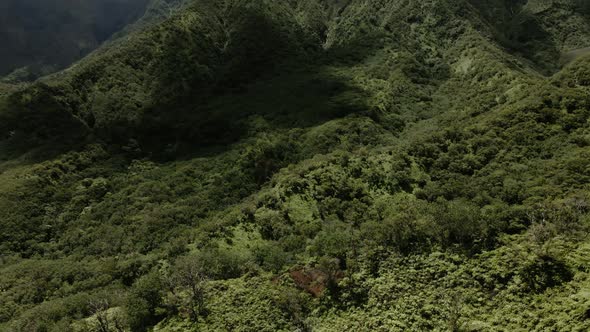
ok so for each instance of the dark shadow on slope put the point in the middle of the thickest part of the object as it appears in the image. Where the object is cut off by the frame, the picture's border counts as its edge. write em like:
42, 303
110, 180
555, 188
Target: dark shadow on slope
290, 100
206, 101
520, 32
265, 71
356, 49
583, 6
35, 121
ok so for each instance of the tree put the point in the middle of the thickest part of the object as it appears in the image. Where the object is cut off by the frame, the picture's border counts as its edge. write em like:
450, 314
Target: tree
189, 277
106, 320
144, 301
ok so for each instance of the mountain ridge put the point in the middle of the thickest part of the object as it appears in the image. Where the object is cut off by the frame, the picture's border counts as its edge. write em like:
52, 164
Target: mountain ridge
42, 38
424, 167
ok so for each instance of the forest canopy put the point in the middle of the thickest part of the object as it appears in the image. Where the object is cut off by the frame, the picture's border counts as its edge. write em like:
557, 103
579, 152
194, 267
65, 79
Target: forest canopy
304, 165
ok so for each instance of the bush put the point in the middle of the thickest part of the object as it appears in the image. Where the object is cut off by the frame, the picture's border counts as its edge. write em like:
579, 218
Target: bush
144, 303
545, 271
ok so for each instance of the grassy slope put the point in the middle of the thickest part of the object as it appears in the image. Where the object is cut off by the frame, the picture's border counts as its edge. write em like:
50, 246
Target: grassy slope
433, 172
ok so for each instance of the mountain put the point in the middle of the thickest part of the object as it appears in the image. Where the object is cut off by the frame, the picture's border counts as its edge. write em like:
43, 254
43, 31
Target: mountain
306, 165
40, 37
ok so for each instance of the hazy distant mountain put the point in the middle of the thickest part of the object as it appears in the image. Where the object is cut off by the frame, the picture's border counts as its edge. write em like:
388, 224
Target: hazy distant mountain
50, 34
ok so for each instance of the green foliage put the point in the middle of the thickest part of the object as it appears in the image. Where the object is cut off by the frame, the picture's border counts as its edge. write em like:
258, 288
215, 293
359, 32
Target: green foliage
189, 278
545, 272
144, 302
298, 165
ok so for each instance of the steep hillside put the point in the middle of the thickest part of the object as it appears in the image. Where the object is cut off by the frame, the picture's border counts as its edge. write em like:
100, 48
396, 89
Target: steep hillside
361, 165
40, 37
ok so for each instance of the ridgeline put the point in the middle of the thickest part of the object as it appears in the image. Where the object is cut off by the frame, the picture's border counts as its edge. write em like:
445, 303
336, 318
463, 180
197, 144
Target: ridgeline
306, 165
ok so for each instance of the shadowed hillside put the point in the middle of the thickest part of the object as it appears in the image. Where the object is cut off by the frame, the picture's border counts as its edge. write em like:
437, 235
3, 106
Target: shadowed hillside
379, 165
41, 37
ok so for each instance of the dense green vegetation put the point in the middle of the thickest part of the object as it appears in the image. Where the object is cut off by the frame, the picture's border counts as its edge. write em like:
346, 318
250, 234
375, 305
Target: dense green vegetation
378, 165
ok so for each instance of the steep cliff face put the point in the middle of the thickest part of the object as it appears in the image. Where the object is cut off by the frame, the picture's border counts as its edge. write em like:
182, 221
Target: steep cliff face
264, 165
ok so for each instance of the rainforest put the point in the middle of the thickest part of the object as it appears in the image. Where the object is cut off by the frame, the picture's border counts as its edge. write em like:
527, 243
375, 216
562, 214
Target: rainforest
294, 165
